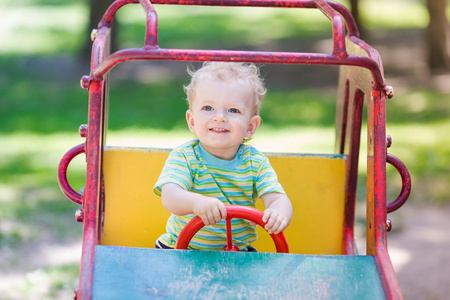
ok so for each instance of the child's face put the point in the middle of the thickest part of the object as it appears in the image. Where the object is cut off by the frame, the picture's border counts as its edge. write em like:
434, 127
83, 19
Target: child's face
221, 115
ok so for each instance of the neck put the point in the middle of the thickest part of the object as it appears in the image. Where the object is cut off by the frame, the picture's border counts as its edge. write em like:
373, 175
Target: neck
222, 153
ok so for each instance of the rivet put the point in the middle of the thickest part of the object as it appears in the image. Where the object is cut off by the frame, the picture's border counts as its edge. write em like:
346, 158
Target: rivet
389, 92
85, 82
388, 141
83, 130
79, 215
388, 225
94, 34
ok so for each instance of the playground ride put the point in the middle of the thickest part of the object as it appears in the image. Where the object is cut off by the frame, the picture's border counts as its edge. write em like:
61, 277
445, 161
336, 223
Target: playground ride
122, 217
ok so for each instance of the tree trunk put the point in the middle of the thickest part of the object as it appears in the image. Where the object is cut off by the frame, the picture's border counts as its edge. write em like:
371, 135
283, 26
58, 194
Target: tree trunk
97, 10
438, 36
354, 8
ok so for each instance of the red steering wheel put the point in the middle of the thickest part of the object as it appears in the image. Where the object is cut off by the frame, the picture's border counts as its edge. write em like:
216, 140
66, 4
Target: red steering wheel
233, 211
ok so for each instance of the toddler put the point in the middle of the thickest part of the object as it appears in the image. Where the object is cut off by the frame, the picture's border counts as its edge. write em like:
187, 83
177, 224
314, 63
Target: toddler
201, 176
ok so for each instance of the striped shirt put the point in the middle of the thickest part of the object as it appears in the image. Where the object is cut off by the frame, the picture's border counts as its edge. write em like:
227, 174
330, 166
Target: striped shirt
240, 181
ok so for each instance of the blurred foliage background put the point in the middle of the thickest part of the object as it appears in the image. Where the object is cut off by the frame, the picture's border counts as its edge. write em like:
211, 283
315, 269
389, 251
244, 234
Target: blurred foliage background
42, 105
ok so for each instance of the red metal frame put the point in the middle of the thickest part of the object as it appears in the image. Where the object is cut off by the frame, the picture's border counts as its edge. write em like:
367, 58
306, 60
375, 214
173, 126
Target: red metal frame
406, 183
356, 84
67, 190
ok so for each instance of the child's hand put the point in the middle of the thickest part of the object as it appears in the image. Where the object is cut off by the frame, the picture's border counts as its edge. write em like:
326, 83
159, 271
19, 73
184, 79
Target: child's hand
278, 213
210, 210
181, 202
275, 221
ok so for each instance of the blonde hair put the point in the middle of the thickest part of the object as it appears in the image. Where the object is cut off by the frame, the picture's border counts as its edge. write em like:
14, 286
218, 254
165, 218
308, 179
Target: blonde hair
225, 71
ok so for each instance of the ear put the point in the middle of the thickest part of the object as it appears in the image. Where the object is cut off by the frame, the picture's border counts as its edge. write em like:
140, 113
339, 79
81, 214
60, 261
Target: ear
255, 121
190, 120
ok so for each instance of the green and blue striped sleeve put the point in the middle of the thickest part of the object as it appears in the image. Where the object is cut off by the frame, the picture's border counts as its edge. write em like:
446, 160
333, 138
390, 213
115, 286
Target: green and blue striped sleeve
176, 170
267, 180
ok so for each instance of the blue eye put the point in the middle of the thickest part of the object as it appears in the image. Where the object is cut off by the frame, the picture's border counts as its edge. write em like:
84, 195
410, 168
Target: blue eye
233, 110
208, 108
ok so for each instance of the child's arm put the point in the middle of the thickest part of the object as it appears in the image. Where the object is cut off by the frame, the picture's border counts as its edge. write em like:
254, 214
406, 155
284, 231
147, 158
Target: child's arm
277, 213
181, 202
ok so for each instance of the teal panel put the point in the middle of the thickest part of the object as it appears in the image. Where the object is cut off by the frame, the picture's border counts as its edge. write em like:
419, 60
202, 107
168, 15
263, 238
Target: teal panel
136, 273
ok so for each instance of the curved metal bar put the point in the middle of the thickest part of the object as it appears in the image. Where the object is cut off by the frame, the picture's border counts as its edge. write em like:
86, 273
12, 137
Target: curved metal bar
340, 8
406, 183
338, 28
373, 54
111, 11
151, 35
62, 174
349, 20
339, 49
233, 211
237, 56
335, 11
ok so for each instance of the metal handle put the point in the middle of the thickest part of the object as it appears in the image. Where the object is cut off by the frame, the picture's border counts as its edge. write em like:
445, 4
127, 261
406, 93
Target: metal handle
62, 174
233, 211
406, 183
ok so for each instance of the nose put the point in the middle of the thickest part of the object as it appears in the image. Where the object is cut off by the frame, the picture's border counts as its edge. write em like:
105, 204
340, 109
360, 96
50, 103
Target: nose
220, 116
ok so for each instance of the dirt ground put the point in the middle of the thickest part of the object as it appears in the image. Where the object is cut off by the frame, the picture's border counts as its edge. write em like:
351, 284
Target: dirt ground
419, 251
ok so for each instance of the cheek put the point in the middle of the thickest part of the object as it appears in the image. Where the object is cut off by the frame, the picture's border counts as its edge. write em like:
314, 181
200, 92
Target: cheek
200, 121
242, 123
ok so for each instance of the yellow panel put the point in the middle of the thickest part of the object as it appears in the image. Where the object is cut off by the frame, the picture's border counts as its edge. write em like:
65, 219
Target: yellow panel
135, 217
315, 186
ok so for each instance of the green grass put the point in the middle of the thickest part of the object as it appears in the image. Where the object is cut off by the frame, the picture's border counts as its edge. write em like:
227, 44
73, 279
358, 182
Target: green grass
47, 283
42, 105
42, 27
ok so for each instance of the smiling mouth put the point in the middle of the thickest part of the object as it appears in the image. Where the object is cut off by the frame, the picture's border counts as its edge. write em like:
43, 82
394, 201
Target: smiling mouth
219, 130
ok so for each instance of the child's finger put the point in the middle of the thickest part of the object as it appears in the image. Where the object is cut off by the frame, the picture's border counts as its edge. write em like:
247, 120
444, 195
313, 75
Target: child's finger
270, 223
280, 226
210, 218
205, 219
266, 215
223, 211
275, 227
217, 215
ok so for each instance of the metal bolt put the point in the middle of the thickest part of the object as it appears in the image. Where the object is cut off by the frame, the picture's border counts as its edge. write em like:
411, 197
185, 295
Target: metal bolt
94, 34
388, 141
389, 91
79, 215
85, 81
83, 130
388, 225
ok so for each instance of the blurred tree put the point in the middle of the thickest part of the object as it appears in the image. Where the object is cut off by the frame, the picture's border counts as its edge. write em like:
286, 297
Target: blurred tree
438, 36
354, 8
97, 8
